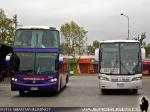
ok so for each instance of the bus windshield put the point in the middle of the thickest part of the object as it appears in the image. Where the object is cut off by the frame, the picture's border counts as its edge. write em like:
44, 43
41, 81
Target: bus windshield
46, 63
130, 58
33, 38
110, 58
40, 63
120, 58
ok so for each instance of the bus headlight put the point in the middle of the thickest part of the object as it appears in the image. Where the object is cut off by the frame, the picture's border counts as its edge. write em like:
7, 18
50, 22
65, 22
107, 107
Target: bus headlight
14, 79
104, 78
136, 78
53, 80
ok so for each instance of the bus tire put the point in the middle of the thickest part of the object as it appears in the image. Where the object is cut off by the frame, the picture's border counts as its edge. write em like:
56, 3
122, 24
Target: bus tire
67, 79
103, 91
135, 91
58, 88
22, 93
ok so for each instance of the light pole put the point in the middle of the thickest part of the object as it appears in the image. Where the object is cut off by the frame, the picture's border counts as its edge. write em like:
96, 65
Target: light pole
128, 22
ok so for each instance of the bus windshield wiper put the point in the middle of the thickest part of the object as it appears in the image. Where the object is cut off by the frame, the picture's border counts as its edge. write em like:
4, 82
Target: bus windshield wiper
27, 71
46, 72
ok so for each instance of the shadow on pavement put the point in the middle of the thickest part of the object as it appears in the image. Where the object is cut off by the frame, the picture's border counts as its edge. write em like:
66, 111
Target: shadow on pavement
120, 92
41, 94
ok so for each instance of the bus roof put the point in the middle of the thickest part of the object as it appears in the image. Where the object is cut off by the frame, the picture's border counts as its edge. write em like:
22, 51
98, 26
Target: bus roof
37, 27
116, 41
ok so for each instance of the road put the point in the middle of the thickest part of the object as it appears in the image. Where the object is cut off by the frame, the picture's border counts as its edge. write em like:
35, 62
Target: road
82, 91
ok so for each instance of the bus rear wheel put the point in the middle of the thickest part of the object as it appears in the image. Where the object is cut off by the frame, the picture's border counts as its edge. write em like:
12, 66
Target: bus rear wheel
22, 93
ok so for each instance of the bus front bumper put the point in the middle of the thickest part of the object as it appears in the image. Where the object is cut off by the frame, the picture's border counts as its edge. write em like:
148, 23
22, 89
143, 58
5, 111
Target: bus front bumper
15, 86
121, 85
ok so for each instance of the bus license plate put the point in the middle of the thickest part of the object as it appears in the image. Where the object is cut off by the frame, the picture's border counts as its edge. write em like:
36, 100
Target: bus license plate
34, 88
120, 85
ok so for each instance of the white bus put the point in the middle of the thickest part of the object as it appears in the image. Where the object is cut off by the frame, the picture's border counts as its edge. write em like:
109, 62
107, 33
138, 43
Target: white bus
120, 65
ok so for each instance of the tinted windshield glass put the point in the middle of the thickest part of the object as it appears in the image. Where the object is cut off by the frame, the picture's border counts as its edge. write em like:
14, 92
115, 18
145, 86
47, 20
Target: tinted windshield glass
110, 59
46, 63
120, 58
37, 63
36, 39
23, 62
130, 55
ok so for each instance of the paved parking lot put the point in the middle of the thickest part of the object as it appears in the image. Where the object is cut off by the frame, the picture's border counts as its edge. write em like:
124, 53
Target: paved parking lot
82, 91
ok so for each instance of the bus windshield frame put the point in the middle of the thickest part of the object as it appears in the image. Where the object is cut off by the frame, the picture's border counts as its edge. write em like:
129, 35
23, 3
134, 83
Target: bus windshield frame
120, 58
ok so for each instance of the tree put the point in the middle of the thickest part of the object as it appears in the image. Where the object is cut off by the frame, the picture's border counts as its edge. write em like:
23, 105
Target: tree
91, 48
141, 39
74, 37
147, 50
96, 44
7, 28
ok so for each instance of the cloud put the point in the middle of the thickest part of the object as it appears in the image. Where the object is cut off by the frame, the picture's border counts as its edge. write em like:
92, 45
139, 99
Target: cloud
101, 18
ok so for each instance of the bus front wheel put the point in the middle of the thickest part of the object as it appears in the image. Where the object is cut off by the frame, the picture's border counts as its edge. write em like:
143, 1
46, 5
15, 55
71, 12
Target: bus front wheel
103, 91
22, 93
134, 91
58, 88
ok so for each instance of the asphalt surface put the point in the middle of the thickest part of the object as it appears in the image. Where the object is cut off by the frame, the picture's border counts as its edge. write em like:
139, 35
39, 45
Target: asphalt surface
81, 91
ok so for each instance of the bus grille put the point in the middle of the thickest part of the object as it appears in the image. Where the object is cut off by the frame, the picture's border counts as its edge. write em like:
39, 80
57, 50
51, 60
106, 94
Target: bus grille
120, 80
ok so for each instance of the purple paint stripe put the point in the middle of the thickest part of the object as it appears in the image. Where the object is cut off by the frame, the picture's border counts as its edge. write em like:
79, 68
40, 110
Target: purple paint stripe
36, 50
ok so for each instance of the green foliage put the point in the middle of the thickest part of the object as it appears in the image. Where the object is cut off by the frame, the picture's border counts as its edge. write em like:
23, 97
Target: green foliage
147, 50
142, 40
91, 48
96, 44
7, 28
74, 36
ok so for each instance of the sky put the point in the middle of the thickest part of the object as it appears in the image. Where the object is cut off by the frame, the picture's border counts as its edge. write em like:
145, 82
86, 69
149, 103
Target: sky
101, 18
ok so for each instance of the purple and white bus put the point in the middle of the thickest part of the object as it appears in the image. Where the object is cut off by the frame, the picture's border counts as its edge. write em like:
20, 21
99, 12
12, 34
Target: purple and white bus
35, 63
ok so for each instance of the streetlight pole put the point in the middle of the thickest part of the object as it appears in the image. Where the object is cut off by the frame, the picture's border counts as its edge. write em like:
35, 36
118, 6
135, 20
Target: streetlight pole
128, 22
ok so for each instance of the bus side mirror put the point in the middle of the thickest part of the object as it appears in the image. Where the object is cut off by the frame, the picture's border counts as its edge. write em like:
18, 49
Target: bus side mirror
7, 61
100, 56
61, 61
97, 54
143, 53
